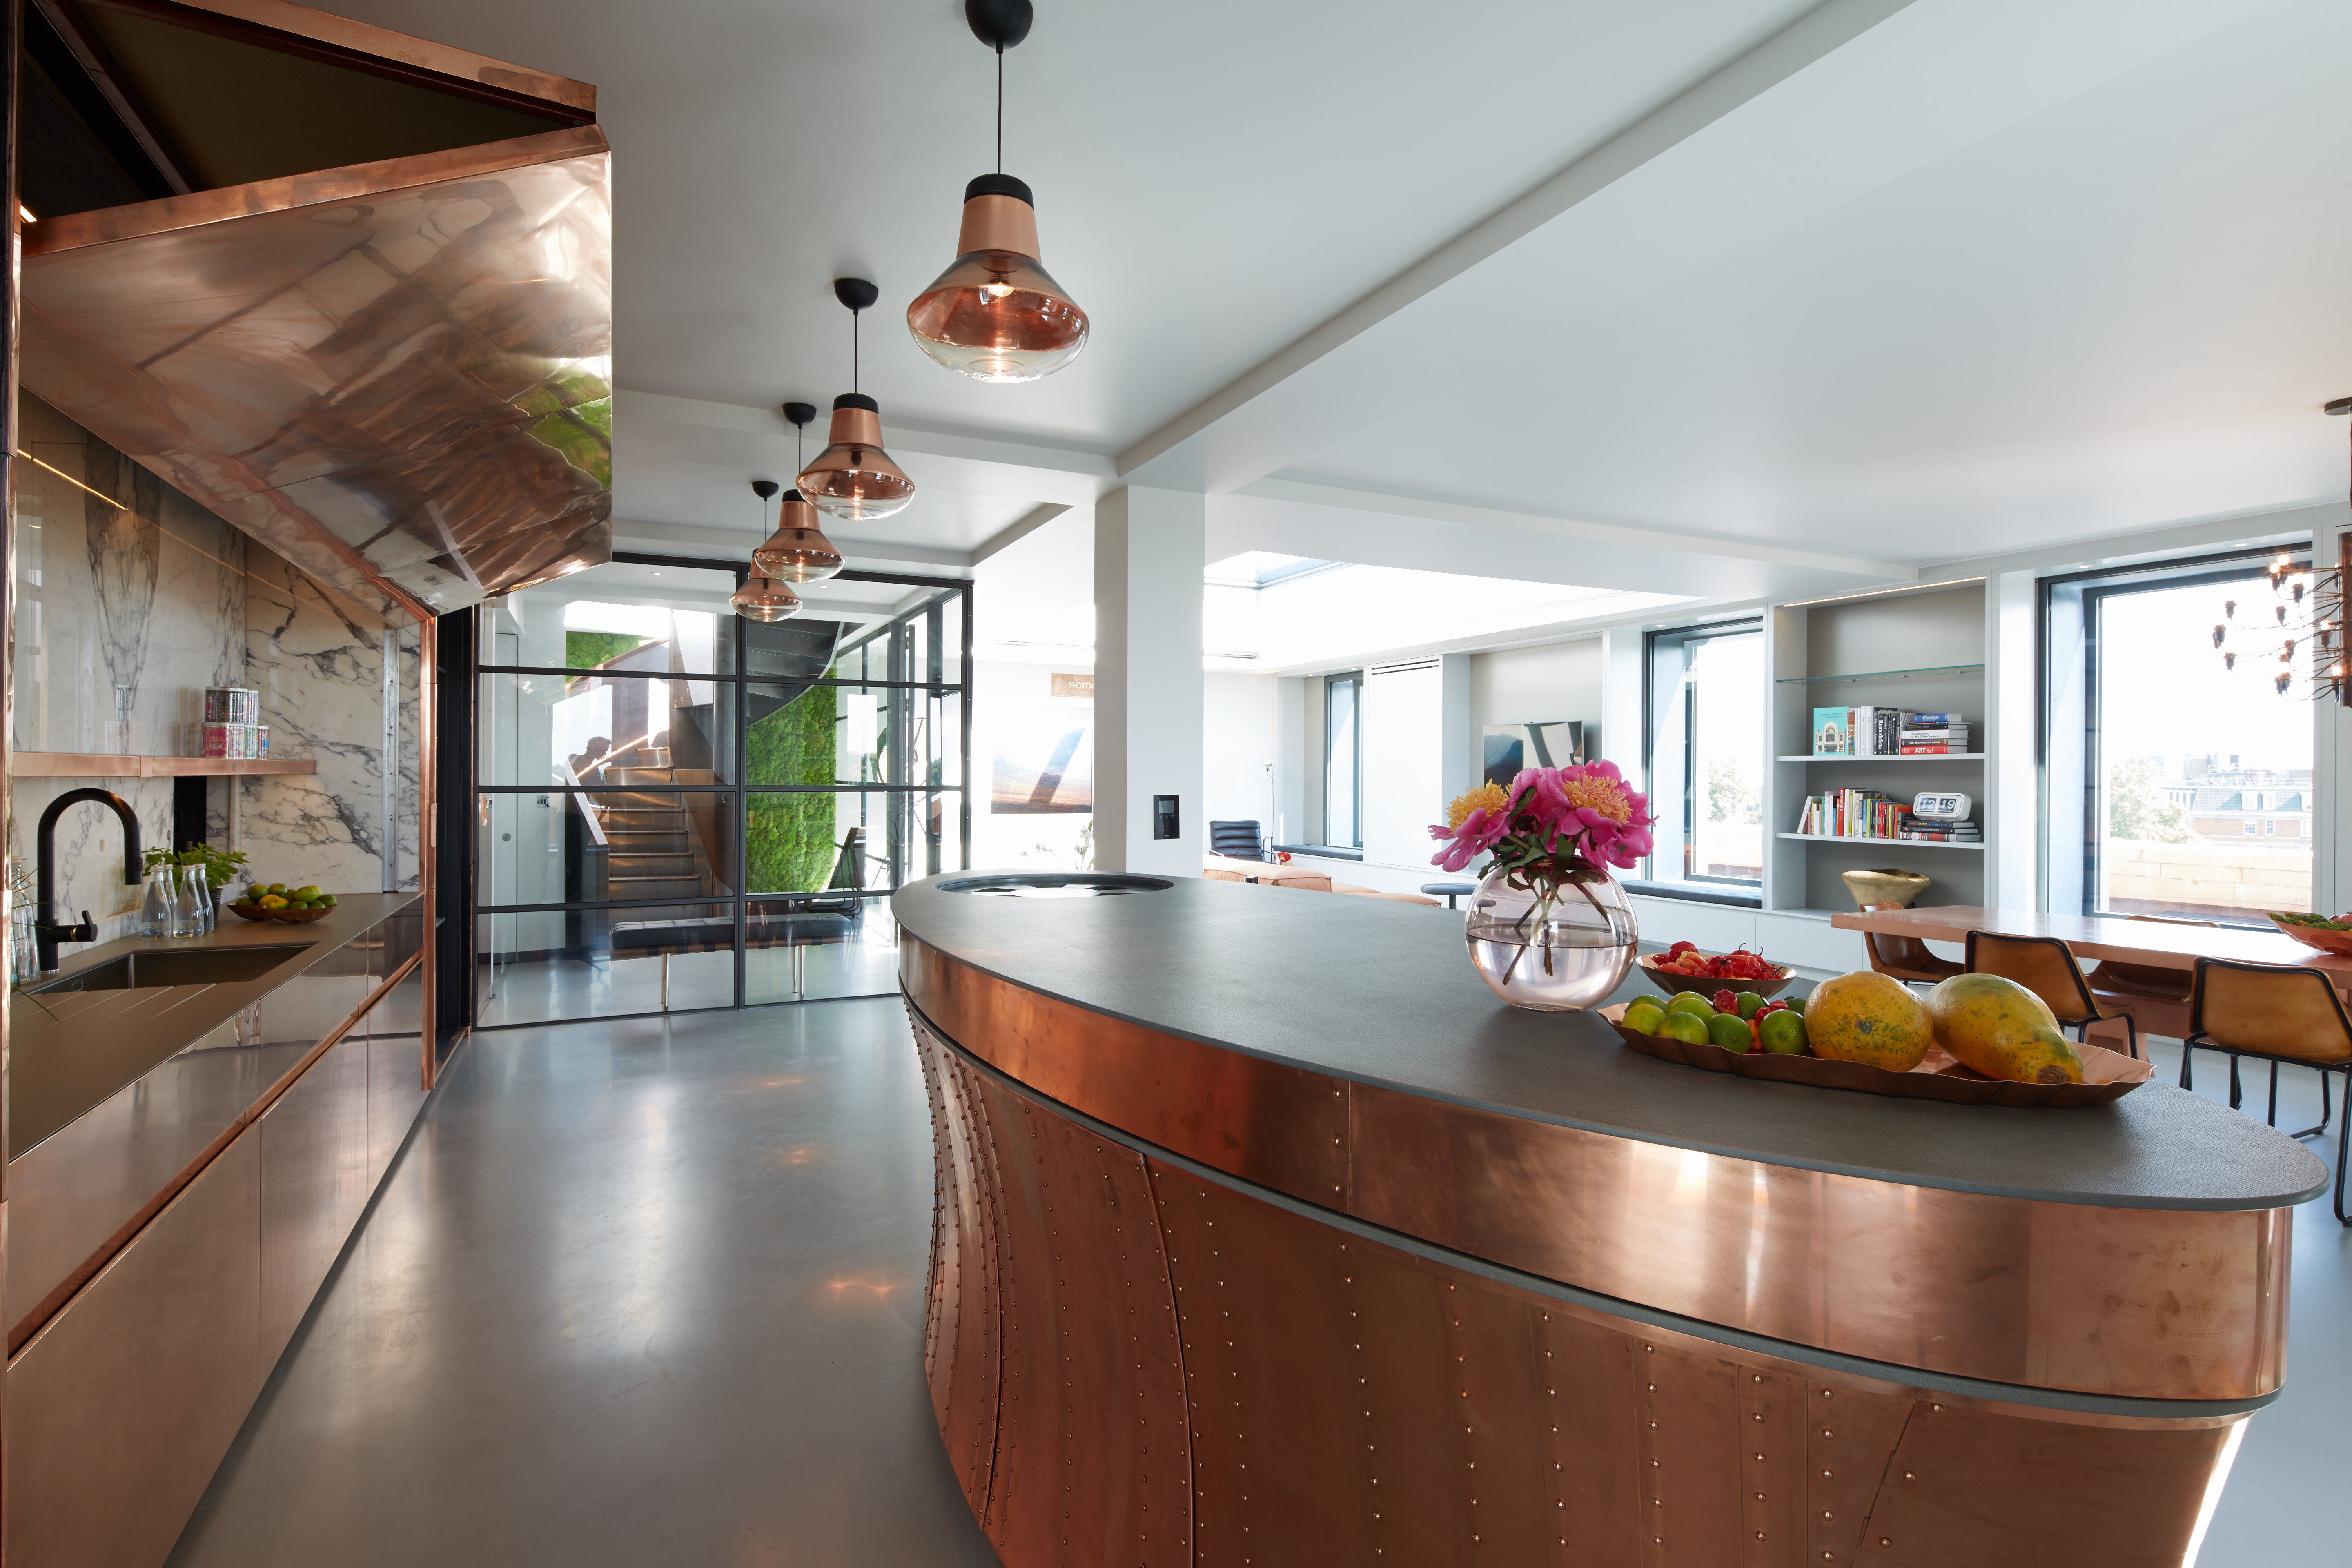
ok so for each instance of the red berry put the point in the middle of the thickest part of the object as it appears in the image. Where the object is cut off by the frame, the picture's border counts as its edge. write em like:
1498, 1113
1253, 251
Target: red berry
1725, 1003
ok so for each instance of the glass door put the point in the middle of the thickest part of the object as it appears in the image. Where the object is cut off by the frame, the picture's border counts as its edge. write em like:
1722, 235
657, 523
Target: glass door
679, 809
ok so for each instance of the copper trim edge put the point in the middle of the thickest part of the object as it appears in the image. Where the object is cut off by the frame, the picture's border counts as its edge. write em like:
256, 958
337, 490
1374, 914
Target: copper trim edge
385, 177
2138, 1303
22, 1332
1350, 1399
341, 34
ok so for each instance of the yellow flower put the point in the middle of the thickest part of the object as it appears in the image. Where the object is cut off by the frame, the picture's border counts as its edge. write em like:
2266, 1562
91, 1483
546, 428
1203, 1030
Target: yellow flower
1486, 796
1605, 796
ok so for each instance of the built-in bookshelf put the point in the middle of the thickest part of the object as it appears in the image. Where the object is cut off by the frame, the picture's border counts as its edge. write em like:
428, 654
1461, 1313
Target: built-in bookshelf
1920, 651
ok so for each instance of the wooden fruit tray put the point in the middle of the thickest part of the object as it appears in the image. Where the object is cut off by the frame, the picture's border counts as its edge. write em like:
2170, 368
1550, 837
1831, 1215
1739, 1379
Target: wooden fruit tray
2107, 1075
2320, 937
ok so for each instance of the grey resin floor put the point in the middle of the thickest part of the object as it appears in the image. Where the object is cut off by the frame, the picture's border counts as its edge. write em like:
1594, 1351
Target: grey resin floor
651, 1292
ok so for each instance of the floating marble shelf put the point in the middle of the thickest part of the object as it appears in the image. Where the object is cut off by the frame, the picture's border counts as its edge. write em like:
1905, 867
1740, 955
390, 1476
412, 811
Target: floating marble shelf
98, 766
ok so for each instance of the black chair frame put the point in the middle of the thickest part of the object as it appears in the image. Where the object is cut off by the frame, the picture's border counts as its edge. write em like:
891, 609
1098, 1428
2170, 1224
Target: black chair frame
2198, 1040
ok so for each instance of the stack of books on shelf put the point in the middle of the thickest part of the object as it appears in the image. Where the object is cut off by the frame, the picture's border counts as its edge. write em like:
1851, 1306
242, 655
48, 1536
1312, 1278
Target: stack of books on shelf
1886, 732
1851, 814
1933, 735
1936, 830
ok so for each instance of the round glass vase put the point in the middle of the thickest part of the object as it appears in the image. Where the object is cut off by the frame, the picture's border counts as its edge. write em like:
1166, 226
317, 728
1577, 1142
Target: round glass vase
1552, 937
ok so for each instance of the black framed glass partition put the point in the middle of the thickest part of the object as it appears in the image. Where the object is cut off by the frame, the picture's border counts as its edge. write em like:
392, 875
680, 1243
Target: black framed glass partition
680, 809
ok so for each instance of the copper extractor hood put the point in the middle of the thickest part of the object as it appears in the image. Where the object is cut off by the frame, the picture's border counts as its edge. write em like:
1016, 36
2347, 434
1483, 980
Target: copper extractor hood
396, 373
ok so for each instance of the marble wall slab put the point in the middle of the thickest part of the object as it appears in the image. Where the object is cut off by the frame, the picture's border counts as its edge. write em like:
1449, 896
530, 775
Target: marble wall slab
132, 599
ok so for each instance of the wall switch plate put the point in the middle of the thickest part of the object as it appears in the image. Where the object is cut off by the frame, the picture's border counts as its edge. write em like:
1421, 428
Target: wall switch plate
1163, 817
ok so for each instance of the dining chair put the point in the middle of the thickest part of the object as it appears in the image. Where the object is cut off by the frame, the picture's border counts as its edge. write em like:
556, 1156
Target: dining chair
2148, 980
1904, 957
2275, 1012
2046, 966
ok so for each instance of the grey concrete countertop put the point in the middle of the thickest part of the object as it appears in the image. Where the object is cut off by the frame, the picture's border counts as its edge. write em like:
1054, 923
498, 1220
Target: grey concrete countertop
1383, 994
69, 1051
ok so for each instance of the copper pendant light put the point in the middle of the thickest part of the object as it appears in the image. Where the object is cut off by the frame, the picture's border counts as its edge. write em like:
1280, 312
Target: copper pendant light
761, 597
854, 479
798, 551
996, 314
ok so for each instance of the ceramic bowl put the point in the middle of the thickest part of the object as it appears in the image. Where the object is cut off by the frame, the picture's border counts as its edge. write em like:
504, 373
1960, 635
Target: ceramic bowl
1708, 986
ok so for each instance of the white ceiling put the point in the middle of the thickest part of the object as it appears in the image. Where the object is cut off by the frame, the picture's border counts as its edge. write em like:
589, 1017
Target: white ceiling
1709, 296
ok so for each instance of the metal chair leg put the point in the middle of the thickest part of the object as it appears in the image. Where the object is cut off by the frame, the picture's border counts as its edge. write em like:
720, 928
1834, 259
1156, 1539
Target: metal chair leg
2273, 1117
2237, 1095
2343, 1147
2188, 1062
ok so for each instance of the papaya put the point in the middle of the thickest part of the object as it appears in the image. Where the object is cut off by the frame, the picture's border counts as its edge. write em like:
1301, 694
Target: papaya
1868, 1017
2002, 1030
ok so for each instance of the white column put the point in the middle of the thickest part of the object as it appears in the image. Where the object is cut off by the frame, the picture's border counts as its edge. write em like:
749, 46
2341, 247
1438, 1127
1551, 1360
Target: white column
1150, 547
1458, 733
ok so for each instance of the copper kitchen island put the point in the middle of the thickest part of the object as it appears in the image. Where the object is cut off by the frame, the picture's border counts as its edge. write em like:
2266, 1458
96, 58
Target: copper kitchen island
1266, 1234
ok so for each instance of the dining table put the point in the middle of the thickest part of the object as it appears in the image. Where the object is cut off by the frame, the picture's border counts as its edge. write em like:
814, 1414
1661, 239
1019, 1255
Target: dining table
2163, 944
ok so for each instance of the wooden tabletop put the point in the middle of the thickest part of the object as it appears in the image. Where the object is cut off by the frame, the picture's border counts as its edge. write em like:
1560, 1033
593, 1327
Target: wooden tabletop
2156, 943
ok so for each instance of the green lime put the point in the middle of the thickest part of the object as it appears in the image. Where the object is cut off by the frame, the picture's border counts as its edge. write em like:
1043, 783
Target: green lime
1691, 1002
1731, 1031
1644, 1016
308, 890
1749, 1002
1687, 1027
327, 900
275, 887
1783, 1032
1795, 1003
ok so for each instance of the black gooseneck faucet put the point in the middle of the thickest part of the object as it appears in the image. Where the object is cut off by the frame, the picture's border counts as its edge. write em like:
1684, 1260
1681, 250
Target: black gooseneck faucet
47, 933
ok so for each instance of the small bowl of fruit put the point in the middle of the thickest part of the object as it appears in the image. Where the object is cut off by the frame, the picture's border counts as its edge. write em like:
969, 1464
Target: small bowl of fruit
2316, 930
277, 902
1682, 967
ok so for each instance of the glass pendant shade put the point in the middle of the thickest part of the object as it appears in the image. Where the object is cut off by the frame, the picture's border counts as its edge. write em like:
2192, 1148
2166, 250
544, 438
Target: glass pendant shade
764, 599
997, 314
854, 479
797, 552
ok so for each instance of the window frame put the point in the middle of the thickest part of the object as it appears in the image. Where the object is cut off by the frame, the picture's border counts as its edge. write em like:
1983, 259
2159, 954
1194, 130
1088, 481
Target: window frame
1655, 647
1353, 679
735, 798
2071, 605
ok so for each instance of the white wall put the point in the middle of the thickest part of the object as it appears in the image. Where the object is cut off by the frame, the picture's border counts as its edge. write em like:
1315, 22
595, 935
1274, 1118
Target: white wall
1240, 735
1550, 684
1010, 702
1403, 767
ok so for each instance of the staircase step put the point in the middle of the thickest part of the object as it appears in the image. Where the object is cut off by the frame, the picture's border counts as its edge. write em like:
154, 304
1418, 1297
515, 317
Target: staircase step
650, 888
638, 863
620, 775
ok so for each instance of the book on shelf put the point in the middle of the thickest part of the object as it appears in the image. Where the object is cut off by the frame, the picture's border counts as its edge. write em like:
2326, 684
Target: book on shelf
1915, 835
1832, 734
1949, 732
1929, 720
1851, 814
1935, 749
1867, 730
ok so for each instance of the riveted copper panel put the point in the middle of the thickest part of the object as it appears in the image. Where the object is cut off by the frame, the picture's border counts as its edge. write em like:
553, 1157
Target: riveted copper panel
1280, 1126
1351, 1400
1088, 1453
1968, 1486
2150, 1303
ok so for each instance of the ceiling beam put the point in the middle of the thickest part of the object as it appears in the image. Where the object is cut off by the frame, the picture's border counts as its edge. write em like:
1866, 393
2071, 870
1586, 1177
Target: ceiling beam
1178, 453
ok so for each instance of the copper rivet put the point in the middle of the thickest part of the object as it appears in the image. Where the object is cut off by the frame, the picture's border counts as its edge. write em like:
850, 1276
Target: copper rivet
1883, 1541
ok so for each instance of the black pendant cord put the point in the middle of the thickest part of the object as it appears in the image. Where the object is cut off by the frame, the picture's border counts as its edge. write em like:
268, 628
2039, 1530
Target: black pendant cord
1000, 109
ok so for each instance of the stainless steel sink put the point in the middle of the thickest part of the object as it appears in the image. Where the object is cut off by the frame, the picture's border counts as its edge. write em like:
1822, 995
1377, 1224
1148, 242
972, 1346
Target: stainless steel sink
176, 966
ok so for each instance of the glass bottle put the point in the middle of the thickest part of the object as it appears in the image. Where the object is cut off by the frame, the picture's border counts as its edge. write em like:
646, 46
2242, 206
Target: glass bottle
195, 901
161, 910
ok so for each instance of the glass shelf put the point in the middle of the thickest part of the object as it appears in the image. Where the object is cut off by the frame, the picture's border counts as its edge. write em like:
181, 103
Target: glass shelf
1882, 757
1881, 674
1875, 843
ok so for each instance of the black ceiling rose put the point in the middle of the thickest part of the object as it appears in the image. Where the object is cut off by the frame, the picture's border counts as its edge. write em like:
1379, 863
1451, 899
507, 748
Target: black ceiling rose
998, 24
763, 488
799, 414
855, 292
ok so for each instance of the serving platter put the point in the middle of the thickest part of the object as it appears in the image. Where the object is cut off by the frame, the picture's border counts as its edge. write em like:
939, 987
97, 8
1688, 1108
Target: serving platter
2107, 1076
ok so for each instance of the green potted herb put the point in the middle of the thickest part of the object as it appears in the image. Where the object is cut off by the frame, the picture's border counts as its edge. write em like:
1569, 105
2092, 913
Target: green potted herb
220, 865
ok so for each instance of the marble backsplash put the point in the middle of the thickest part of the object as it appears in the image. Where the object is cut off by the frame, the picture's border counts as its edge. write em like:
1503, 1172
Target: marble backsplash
130, 599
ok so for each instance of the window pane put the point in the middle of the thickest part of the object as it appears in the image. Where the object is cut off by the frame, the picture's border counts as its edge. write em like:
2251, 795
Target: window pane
605, 730
800, 949
2204, 771
1727, 741
1339, 827
587, 963
662, 619
871, 839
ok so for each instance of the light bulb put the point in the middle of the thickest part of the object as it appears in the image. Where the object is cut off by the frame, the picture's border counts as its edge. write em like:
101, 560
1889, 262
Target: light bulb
854, 479
764, 599
996, 314
797, 552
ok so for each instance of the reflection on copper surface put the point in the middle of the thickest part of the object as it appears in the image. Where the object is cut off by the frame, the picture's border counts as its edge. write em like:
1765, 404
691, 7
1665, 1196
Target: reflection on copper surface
1133, 1364
2149, 1303
395, 376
